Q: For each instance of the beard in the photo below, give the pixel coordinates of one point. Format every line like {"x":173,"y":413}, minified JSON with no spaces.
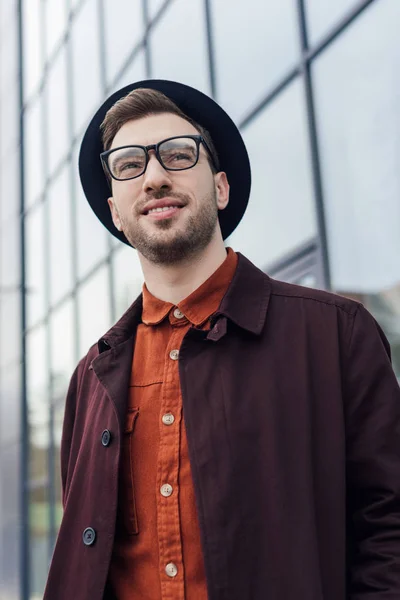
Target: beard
{"x":180,"y":244}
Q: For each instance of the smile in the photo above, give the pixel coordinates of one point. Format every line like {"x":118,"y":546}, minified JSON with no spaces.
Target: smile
{"x":163,"y":209}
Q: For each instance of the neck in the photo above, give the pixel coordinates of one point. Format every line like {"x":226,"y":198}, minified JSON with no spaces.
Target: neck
{"x":173,"y":283}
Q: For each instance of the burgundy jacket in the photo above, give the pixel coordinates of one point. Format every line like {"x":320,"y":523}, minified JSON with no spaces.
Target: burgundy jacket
{"x":292,"y":412}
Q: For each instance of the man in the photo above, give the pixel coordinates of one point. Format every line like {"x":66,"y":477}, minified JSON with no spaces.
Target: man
{"x":232,"y":437}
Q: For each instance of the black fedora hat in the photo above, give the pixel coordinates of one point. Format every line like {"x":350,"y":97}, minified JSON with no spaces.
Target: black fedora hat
{"x":206,"y":112}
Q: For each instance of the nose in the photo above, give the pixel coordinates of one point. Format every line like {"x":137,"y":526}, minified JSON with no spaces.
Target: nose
{"x":155,"y":176}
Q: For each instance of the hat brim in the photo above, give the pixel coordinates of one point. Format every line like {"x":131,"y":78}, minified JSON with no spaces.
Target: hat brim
{"x":232,"y":153}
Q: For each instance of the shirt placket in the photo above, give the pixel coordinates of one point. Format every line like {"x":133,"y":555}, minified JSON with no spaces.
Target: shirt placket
{"x":168,"y":517}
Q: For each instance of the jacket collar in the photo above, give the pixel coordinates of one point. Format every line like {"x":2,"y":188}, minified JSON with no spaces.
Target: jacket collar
{"x":245,"y":303}
{"x":247,"y":298}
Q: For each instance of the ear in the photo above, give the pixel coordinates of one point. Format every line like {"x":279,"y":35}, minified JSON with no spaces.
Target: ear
{"x":222,"y":189}
{"x":114,"y":213}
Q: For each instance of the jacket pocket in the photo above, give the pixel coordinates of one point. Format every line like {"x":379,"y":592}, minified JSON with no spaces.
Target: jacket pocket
{"x":128,"y":521}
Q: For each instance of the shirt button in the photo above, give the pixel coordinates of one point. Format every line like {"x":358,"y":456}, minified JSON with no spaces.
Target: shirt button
{"x":171,"y":570}
{"x":174,"y":354}
{"x":89,"y":536}
{"x":168,"y":419}
{"x":166,"y":490}
{"x":106,"y":437}
{"x":178,"y":314}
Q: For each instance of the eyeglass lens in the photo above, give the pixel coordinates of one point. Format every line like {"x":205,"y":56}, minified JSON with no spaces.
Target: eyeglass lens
{"x":175,"y":155}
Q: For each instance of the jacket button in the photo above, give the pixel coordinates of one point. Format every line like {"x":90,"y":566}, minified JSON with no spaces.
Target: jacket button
{"x":89,"y":536}
{"x":106,"y":437}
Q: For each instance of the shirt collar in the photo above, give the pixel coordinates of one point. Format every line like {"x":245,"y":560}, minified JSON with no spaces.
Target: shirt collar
{"x":200,"y":304}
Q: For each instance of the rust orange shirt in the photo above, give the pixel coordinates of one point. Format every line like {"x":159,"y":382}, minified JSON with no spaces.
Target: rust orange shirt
{"x":157,"y":553}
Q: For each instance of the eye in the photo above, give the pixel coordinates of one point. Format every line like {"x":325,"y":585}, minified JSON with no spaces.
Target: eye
{"x":130,"y":165}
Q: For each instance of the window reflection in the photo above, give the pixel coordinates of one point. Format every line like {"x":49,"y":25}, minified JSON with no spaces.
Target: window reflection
{"x":323,"y":15}
{"x":94,"y":309}
{"x":359,"y":127}
{"x":57,"y":113}
{"x":122,"y":34}
{"x":85,"y":47}
{"x":33,"y":143}
{"x":128,"y":278}
{"x":35,"y":265}
{"x":178,"y":45}
{"x":255,"y":43}
{"x":280,"y":215}
{"x":60,"y":233}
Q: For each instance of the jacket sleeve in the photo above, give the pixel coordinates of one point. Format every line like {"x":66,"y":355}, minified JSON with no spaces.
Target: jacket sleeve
{"x":372,"y":412}
{"x":68,"y":428}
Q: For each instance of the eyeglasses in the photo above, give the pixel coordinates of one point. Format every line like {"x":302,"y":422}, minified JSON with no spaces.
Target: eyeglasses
{"x":174,"y":154}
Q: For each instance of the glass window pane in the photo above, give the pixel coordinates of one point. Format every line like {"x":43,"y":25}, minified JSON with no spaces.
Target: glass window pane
{"x":56,"y":21}
{"x":10,"y":531}
{"x":178,"y":45}
{"x":9,"y":118}
{"x":35,"y":266}
{"x":323,"y":15}
{"x":154,"y":6}
{"x":10,"y":200}
{"x":124,"y":29}
{"x":280,"y":214}
{"x":94,"y":294}
{"x":38,"y":403}
{"x":32,"y":37}
{"x":85,"y":46}
{"x":10,"y":293}
{"x":39,"y":517}
{"x":57,"y":112}
{"x":33,"y":150}
{"x":128,"y":278}
{"x":136,"y":71}
{"x":91,"y":235}
{"x":62,"y":364}
{"x":249,"y":64}
{"x":358,"y":121}
{"x":10,"y":404}
{"x":359,"y":125}
{"x":60,"y":232}
{"x":62,"y":355}
{"x":38,"y":423}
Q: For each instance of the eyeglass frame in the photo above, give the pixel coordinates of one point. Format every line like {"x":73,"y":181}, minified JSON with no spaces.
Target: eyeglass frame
{"x":199,"y":139}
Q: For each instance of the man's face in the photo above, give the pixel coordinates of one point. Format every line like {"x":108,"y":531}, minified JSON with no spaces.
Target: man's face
{"x":194,"y":195}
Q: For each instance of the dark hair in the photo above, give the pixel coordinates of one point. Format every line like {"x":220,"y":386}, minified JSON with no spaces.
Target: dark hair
{"x":143,"y":102}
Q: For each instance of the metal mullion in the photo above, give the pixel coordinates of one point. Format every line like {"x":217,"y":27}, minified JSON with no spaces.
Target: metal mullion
{"x":24,"y":499}
{"x":330,"y":37}
{"x":210,"y":49}
{"x":324,"y":271}
{"x":146,"y":45}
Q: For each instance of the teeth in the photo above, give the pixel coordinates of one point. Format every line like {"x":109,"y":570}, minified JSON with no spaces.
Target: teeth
{"x":161,"y":209}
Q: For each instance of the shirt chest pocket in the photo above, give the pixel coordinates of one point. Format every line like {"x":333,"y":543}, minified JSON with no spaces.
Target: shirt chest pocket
{"x":127,"y":513}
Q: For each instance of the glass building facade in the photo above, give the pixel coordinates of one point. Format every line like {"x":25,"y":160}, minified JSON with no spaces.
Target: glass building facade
{"x":314,"y":87}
